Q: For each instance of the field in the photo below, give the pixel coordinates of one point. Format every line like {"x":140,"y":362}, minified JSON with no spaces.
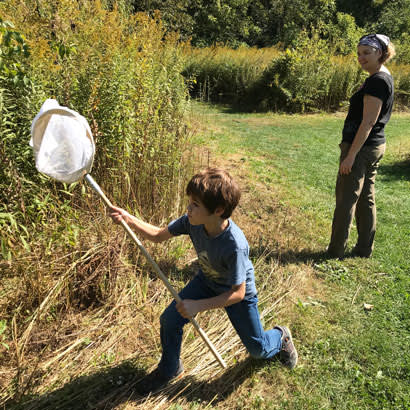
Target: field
{"x":352,"y":356}
{"x":80,"y":305}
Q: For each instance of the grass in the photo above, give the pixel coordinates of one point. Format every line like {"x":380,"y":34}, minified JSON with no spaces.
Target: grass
{"x":351,"y":358}
{"x":89,"y":356}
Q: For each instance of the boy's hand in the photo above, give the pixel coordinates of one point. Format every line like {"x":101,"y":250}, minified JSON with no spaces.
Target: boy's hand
{"x":188,"y":308}
{"x":118,"y":214}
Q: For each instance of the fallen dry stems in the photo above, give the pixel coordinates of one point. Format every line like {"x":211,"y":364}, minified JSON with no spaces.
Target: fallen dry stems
{"x":98,"y":355}
{"x":203,"y":368}
{"x":50,"y":299}
{"x":113,"y":332}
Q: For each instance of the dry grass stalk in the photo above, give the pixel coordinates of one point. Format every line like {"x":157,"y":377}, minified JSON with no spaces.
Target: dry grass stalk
{"x":102,"y":333}
{"x":50,"y":299}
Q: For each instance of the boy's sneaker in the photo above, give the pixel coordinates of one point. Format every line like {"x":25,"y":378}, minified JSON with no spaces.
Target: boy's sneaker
{"x":156,"y":381}
{"x":288,"y":354}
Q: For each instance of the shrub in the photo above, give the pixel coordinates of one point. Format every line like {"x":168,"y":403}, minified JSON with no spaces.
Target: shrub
{"x":305,"y":78}
{"x":401,"y":75}
{"x":122,"y":72}
{"x":403,"y":49}
{"x":118,"y":70}
{"x":221,"y":74}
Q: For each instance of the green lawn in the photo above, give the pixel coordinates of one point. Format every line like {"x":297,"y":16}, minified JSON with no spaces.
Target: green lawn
{"x":351,"y":358}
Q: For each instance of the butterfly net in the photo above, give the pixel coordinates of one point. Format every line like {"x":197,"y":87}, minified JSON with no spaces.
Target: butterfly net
{"x":62,"y":143}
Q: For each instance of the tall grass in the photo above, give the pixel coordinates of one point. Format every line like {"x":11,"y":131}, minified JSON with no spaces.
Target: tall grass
{"x":58,"y":256}
{"x":123,"y":74}
{"x":305,"y":78}
{"x":401,"y":75}
{"x":223,"y":74}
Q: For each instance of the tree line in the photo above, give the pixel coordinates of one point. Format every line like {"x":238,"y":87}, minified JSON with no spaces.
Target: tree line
{"x":264,"y":23}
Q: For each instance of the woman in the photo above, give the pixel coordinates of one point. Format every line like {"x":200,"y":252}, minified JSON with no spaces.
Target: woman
{"x":362,"y":147}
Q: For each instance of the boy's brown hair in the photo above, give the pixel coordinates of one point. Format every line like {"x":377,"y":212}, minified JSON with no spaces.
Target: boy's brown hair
{"x":215,"y":188}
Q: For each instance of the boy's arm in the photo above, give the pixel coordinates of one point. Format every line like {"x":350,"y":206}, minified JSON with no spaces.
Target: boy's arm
{"x":189,"y":308}
{"x":148,"y":231}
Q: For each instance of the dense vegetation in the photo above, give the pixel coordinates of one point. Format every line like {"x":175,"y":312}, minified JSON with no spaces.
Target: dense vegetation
{"x":122,"y":72}
{"x":306,"y":77}
{"x":118,"y":70}
{"x":66,"y":275}
{"x":264,"y":23}
{"x":312,"y":43}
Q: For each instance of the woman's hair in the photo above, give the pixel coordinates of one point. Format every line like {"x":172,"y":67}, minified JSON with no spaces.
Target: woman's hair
{"x":387,"y":54}
{"x":215,"y":188}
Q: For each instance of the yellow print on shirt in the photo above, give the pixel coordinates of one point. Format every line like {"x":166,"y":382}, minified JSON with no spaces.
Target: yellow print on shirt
{"x":206,"y":267}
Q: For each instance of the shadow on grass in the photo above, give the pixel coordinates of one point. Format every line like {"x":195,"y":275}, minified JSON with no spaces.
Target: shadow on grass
{"x":231,"y":108}
{"x":86,"y":392}
{"x":306,"y":256}
{"x":395,"y":171}
{"x":110,"y":388}
{"x":184,"y":274}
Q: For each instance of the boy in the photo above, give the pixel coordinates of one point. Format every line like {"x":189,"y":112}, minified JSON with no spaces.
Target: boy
{"x":225,"y":278}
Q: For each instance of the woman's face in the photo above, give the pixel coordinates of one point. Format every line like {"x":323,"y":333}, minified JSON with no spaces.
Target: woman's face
{"x":368,"y":58}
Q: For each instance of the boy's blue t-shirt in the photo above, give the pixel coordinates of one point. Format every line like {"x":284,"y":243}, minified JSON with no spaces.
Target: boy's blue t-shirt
{"x":224,"y":259}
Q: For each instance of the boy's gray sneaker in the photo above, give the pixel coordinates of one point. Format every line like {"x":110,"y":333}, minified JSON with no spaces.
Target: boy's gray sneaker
{"x":288,"y":354}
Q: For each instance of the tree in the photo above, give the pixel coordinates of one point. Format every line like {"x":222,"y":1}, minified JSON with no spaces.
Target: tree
{"x":268,"y":22}
{"x":287,"y":18}
{"x":365,"y":12}
{"x":174,"y":14}
{"x":223,"y":21}
{"x":394,"y":19}
{"x":343,"y":34}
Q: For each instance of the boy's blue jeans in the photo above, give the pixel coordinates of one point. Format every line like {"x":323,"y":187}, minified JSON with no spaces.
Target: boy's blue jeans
{"x":244,"y":317}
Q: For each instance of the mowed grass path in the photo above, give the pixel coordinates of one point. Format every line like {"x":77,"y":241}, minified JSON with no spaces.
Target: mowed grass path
{"x":351,"y":358}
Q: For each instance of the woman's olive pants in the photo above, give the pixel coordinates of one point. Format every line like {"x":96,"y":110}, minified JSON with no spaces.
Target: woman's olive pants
{"x":355,"y":194}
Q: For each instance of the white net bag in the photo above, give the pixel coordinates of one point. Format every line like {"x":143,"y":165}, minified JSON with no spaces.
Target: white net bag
{"x":62,"y":143}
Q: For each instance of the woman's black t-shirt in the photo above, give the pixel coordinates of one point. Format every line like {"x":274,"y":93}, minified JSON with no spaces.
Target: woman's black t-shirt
{"x":381,"y":86}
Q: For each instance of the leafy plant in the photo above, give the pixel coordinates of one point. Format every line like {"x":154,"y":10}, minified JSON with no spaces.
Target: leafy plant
{"x":13,"y":48}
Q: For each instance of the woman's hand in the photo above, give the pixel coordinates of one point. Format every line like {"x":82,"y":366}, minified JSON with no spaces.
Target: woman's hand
{"x":346,"y":165}
{"x":188,"y":308}
{"x":118,"y":214}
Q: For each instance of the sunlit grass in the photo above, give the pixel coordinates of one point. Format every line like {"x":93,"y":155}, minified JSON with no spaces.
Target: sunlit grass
{"x":348,"y":357}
